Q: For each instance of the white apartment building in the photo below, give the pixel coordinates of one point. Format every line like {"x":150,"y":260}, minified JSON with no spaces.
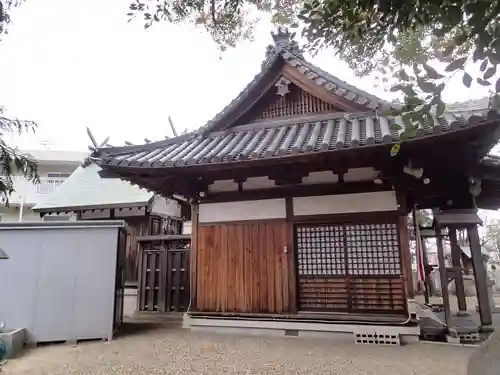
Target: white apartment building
{"x":54,"y":167}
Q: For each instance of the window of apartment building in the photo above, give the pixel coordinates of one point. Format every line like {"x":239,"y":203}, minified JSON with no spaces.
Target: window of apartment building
{"x":48,"y":184}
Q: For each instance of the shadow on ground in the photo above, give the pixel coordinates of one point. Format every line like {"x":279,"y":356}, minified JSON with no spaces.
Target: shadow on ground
{"x":137,"y":328}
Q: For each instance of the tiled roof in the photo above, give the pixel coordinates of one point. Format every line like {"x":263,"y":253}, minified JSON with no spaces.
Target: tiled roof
{"x":280,"y":139}
{"x":288,"y":53}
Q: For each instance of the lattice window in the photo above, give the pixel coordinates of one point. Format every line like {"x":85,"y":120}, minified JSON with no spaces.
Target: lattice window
{"x":320,"y":250}
{"x":373,"y":249}
{"x":354,"y":250}
{"x":350,"y":268}
{"x":294,"y":103}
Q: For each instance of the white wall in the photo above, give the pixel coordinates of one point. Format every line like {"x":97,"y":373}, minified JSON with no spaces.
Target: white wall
{"x":244,"y":210}
{"x":187,"y":227}
{"x":167,"y":207}
{"x":321,"y":177}
{"x":345,"y":203}
{"x":317,"y":205}
{"x":29,"y":191}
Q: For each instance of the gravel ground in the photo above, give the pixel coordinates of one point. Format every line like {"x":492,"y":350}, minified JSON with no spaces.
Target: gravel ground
{"x":177,"y":351}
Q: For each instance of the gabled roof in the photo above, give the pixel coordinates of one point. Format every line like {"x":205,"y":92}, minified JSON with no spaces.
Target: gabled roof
{"x":85,"y":189}
{"x":222,"y":141}
{"x":285,"y":50}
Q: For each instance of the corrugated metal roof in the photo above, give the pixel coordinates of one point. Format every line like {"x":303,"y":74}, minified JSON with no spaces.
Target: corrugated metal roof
{"x":282,"y":138}
{"x":86,"y":189}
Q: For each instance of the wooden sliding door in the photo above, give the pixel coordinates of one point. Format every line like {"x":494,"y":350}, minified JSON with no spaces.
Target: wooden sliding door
{"x":244,"y":267}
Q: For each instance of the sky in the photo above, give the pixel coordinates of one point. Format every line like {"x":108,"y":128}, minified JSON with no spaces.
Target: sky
{"x":69,"y":65}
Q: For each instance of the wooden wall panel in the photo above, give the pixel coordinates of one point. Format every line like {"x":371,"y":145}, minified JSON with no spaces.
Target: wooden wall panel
{"x":242,"y":267}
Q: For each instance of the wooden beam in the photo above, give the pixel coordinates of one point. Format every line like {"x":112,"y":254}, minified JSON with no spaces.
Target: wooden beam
{"x":296,"y":191}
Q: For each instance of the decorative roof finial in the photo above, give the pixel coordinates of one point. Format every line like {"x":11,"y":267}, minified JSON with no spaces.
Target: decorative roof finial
{"x":284,"y":40}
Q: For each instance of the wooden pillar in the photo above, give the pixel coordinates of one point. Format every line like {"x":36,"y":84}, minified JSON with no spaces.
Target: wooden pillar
{"x":456,"y":252}
{"x":404,"y":239}
{"x":480,"y":276}
{"x":443,"y":275}
{"x":195,"y":208}
{"x":292,"y":281}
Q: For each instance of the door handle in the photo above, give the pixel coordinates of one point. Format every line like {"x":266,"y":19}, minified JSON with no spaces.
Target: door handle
{"x":285,"y":249}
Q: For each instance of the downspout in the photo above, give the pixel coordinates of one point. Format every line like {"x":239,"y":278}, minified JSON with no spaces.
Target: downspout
{"x":21,"y":205}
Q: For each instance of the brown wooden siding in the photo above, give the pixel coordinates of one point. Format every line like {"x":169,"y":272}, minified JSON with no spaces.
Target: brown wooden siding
{"x":131,"y":254}
{"x":244,"y":268}
{"x":352,"y":294}
{"x":142,"y":226}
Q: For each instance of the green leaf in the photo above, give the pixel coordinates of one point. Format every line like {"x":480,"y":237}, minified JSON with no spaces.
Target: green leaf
{"x":392,"y":38}
{"x":456,"y":64}
{"x":411,"y":131}
{"x":495,"y":102}
{"x":425,"y":86}
{"x":397,"y":87}
{"x":395,"y":149}
{"x":484,"y":65}
{"x":403,"y":75}
{"x":490,"y":72}
{"x":440,"y":108}
{"x":431,"y":72}
{"x":467,"y":79}
{"x":494,"y":57}
{"x":416,"y":69}
{"x":460,"y":39}
{"x":449,"y":50}
{"x":395,"y":127}
{"x":478,"y":54}
{"x":482,"y":82}
{"x":409,"y":91}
